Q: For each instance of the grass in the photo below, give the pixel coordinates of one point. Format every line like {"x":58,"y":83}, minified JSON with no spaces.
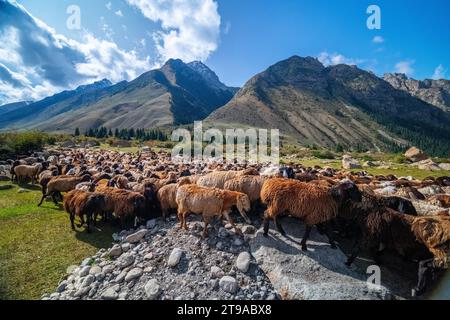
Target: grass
{"x":400,"y":170}
{"x":37,"y":244}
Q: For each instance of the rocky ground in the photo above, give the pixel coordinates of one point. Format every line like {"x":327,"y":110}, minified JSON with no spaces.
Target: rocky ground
{"x":160,"y":261}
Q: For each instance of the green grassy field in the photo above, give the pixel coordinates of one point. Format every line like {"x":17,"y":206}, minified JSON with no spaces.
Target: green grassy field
{"x":37,"y":244}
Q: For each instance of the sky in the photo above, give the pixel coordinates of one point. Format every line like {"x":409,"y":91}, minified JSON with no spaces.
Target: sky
{"x":47,"y":46}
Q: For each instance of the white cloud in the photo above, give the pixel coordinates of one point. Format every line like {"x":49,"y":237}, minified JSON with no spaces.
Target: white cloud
{"x":439,"y":72}
{"x":191,"y":28}
{"x":36,"y":62}
{"x":109,"y":6}
{"x":405,"y":67}
{"x":328,"y":59}
{"x":378,"y":39}
{"x":119,"y":13}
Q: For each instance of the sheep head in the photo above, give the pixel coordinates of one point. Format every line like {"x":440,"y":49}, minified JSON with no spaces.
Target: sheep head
{"x":243,"y":205}
{"x":346,"y":191}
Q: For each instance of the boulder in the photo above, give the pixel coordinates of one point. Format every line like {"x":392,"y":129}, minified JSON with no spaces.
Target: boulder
{"x":445,"y":166}
{"x":428,"y":164}
{"x":319,"y":274}
{"x":152,"y":289}
{"x":243,"y":262}
{"x":136,"y":237}
{"x":415,"y":154}
{"x":174,"y":257}
{"x":349,"y":163}
{"x":228,"y":284}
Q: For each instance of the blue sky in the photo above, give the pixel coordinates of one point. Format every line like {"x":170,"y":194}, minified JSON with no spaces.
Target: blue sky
{"x":120,"y":39}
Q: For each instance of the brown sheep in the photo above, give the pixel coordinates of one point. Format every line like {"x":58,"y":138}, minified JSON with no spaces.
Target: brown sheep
{"x":122,"y":203}
{"x":217,"y":179}
{"x":250,"y":185}
{"x":80,"y":203}
{"x":314,"y":205}
{"x":167,"y":196}
{"x":210,"y":203}
{"x":62,"y":184}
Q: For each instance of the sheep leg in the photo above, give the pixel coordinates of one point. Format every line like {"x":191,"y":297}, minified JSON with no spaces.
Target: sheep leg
{"x":355,"y":252}
{"x":266,"y":223}
{"x":54,"y":199}
{"x":305,"y":238}
{"x":89,"y":218}
{"x":330,"y":235}
{"x":278,"y":225}
{"x":206,"y":221}
{"x":42,"y":199}
{"x":72,"y":220}
{"x":425,"y":267}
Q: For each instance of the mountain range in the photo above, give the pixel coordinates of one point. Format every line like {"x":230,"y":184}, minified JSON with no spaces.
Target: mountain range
{"x":310,"y":103}
{"x":175,"y":94}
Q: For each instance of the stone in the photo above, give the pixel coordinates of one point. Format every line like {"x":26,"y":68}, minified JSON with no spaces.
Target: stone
{"x":126,"y":247}
{"x":223,"y":233}
{"x":228,"y":284}
{"x":152,"y":289}
{"x":445,"y":166}
{"x":62,"y":286}
{"x":136,"y":237}
{"x":174,"y":257}
{"x":148,"y":256}
{"x":319,"y":274}
{"x":87,"y":281}
{"x":22,"y":190}
{"x":243,"y":262}
{"x":133,"y":274}
{"x":110,"y":294}
{"x":95,"y":270}
{"x":108,"y":269}
{"x":81,"y":292}
{"x":115,"y":251}
{"x":84,"y":271}
{"x":349,"y":163}
{"x":125,"y":260}
{"x":238,"y":242}
{"x":216,"y":272}
{"x":151,"y":224}
{"x":248,"y":230}
{"x":415,"y":154}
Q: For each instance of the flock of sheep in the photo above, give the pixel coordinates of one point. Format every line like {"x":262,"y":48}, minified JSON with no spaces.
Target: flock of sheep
{"x":109,"y":184}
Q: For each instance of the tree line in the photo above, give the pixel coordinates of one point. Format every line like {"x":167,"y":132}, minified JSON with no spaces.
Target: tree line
{"x":125,"y":134}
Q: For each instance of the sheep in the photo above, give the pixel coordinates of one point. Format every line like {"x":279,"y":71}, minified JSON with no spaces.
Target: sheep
{"x":434,"y":232}
{"x":44,"y":179}
{"x":62,"y":184}
{"x":122,"y":203}
{"x":81,"y":203}
{"x":86,"y":186}
{"x":381,"y":227}
{"x":250,"y":185}
{"x":210,"y":203}
{"x":119,"y":181}
{"x":441,"y":200}
{"x":167,"y":196}
{"x":399,"y":204}
{"x":22,"y":172}
{"x":313,"y":204}
{"x":217,"y":179}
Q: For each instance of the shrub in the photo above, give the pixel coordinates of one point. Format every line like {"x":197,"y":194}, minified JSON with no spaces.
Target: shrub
{"x":23,"y":143}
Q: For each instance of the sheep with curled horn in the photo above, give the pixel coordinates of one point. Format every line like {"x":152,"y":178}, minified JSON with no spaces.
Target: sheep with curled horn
{"x":313,"y":204}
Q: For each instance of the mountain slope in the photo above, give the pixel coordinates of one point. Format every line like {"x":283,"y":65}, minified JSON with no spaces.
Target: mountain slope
{"x":13,"y":106}
{"x":175,"y":94}
{"x":435,"y":92}
{"x":335,"y":105}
